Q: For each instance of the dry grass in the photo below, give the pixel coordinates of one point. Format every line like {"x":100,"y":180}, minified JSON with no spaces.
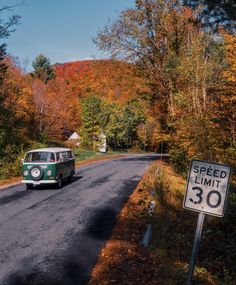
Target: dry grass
{"x":9,"y":182}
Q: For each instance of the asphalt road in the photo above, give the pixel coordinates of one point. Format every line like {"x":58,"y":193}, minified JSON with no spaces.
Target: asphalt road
{"x":53,"y":237}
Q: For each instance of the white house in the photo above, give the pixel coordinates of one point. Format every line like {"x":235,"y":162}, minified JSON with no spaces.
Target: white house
{"x":102,"y":145}
{"x":75,"y":138}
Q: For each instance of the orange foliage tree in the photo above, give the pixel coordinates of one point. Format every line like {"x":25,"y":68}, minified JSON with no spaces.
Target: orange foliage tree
{"x":57,"y":108}
{"x":18,"y":105}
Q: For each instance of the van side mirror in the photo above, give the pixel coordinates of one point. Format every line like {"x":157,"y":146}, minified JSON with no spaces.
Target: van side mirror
{"x":22,"y":160}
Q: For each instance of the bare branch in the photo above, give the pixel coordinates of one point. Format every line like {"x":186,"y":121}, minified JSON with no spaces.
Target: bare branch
{"x":10,"y":7}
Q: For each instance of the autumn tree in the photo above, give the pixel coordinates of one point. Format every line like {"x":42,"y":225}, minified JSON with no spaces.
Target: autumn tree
{"x":56,"y":109}
{"x":17,"y":121}
{"x":134,"y":115}
{"x":42,"y":74}
{"x":118,"y":122}
{"x":6,"y":27}
{"x":153,"y":35}
{"x":115,"y":131}
{"x":225,"y":99}
{"x":229,"y":91}
{"x":121,"y":124}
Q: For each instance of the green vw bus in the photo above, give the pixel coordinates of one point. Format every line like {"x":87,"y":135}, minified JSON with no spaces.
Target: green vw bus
{"x":48,"y":165}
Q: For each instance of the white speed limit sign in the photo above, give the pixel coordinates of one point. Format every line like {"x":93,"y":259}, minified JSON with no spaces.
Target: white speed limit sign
{"x":207,"y":187}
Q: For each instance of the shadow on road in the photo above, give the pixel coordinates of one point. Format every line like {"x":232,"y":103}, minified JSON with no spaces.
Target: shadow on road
{"x":54,"y":186}
{"x":146,"y":158}
{"x":102,"y":223}
{"x":101,"y":180}
{"x":14,"y":197}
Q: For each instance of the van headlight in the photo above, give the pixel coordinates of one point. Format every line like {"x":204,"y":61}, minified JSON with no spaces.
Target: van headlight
{"x":26,"y":172}
{"x":49,"y":172}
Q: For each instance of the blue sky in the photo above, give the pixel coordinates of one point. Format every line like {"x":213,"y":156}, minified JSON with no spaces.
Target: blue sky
{"x":60,"y":29}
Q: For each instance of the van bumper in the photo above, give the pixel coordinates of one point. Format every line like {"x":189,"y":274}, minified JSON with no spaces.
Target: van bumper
{"x":39,"y":182}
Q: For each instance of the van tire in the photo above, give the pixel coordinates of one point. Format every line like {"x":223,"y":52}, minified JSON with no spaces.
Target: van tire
{"x":70,"y":178}
{"x":59,"y":182}
{"x":29,"y":186}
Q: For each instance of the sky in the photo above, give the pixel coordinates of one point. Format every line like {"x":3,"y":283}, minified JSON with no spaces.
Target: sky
{"x":62,"y":30}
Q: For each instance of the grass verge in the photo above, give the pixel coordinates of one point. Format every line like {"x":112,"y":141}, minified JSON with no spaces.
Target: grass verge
{"x":165,"y":262}
{"x":87,"y":156}
{"x":82,"y":154}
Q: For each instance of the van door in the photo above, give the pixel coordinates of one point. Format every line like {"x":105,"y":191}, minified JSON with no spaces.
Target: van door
{"x":66,"y":163}
{"x":71,"y":163}
{"x":60,"y":171}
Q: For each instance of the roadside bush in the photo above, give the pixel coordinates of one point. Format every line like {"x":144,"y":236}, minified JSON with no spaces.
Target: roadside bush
{"x":10,"y":162}
{"x":179,"y":159}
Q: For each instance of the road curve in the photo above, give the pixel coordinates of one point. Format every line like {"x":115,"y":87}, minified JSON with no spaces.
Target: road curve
{"x":53,"y":237}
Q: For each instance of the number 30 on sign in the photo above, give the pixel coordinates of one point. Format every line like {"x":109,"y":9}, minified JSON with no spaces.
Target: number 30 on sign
{"x":207,"y":187}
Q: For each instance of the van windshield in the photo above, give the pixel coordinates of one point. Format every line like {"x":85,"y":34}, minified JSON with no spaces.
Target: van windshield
{"x":40,"y":156}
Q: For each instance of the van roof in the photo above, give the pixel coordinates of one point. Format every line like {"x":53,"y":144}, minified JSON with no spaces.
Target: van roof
{"x":51,"y":149}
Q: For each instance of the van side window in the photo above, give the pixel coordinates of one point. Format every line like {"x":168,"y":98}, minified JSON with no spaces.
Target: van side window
{"x":58,"y":156}
{"x":51,"y":157}
{"x":64,"y":155}
{"x":69,"y":154}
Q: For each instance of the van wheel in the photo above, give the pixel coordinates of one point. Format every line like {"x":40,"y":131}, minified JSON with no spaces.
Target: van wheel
{"x":29,"y":186}
{"x":59,"y":182}
{"x":70,"y":178}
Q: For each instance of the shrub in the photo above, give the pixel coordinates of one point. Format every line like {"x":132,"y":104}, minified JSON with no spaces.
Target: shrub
{"x":179,"y":159}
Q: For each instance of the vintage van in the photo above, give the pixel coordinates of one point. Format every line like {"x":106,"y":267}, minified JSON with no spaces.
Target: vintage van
{"x":48,"y":165}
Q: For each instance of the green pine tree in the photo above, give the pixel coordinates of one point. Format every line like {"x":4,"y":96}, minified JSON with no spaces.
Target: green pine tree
{"x":42,"y":68}
{"x":91,"y":120}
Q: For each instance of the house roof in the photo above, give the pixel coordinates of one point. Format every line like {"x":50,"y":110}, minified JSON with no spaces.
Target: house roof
{"x":74,"y":136}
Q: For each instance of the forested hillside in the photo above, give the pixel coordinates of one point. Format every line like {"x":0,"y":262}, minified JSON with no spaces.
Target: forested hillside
{"x":168,"y":87}
{"x":112,"y":80}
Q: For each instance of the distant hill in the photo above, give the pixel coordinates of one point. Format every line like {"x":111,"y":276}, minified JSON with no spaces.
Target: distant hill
{"x":113,"y":80}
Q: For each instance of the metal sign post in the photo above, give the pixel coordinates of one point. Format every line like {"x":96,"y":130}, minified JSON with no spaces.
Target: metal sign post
{"x":206,"y":193}
{"x":195,"y":247}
